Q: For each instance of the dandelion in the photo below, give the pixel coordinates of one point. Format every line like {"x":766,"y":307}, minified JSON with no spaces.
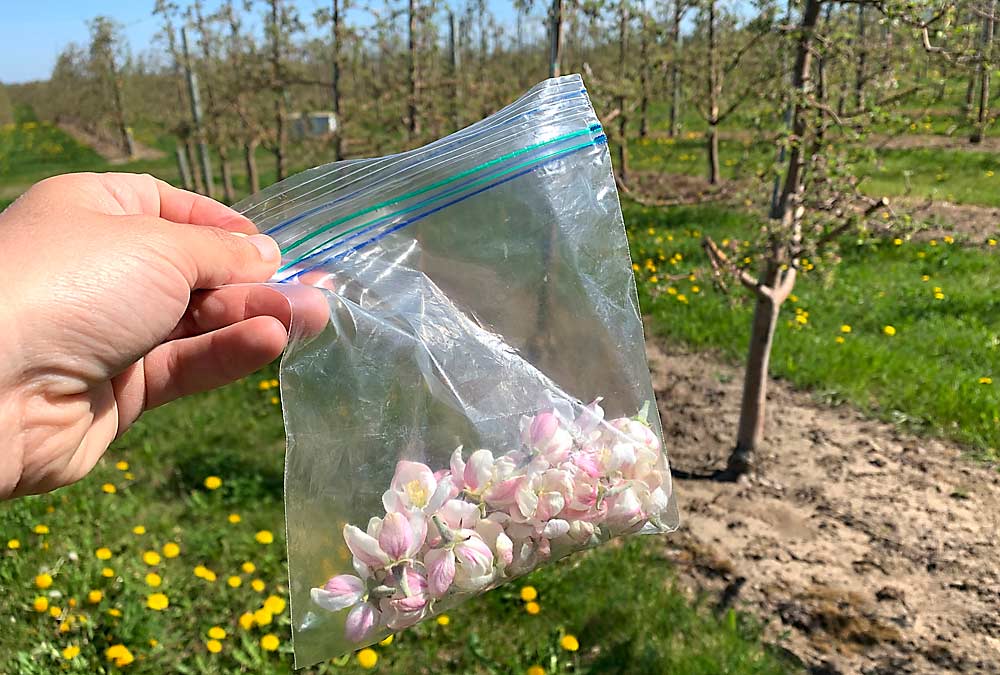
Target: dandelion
{"x":258,"y":585}
{"x":682,"y":298}
{"x":103,"y":553}
{"x":246,"y":620}
{"x":41,"y":529}
{"x":270,"y":643}
{"x":115,"y":612}
{"x":217,"y":633}
{"x":158,"y":602}
{"x":889,"y":330}
{"x":532,"y":608}
{"x":948,"y":239}
{"x":55,"y":612}
{"x":654,"y":279}
{"x":444,"y":620}
{"x":793,"y":298}
{"x":938,"y":295}
{"x":43,"y":580}
{"x":151,"y":558}
{"x":109,"y":488}
{"x":213,"y":646}
{"x":897,"y":241}
{"x":925,"y":277}
{"x":635,"y":267}
{"x":695,"y":289}
{"x":40,"y":604}
{"x":367,"y":658}
{"x":264,"y":537}
{"x":274,"y":400}
{"x":991,"y":242}
{"x":846,"y":328}
{"x":139,"y":529}
{"x":122,"y":465}
{"x":569,"y":643}
{"x":234,"y":518}
{"x":839,"y":340}
{"x":13,"y":544}
{"x":933,"y":242}
{"x":264,"y":385}
{"x":386,"y":641}
{"x":153,"y":580}
{"x":70,"y":652}
{"x":171,"y":550}
{"x":274,"y":604}
{"x":529,"y":593}
{"x":248,"y":567}
{"x":921,"y":254}
{"x":536,"y":669}
{"x":213,"y":482}
{"x":985,"y":380}
{"x":262,"y":617}
{"x":801,"y":319}
{"x":95,"y":597}
{"x":672,"y":291}
{"x":274,"y":383}
{"x":153,"y":642}
{"x":107,"y":572}
{"x":119,"y":654}
{"x":234,"y":582}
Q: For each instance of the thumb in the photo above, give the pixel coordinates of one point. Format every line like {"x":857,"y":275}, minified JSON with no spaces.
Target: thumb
{"x":210,"y":257}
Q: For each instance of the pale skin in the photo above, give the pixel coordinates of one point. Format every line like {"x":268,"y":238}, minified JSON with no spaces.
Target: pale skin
{"x":117,"y":295}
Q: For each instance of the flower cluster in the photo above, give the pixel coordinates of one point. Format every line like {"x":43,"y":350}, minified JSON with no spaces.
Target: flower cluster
{"x":575,"y":481}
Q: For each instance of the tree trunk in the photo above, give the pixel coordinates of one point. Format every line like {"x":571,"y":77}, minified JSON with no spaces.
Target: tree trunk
{"x":192,"y":156}
{"x":989,"y":24}
{"x":675,"y":69}
{"x":250,"y":157}
{"x":555,"y":37}
{"x":769,"y":297}
{"x":278,"y":87}
{"x":453,"y":65}
{"x":229,"y":193}
{"x":199,"y":128}
{"x":183,"y":169}
{"x":714,"y":87}
{"x":413,"y":124}
{"x":338,"y":136}
{"x":644,"y":79}
{"x":622,"y":79}
{"x":860,"y":66}
{"x":128,"y":145}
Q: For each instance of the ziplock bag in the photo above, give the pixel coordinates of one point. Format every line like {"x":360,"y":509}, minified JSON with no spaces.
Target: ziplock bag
{"x":479,"y":403}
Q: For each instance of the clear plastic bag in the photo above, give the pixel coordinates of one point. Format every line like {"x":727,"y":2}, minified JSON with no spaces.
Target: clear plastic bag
{"x":440,"y":439}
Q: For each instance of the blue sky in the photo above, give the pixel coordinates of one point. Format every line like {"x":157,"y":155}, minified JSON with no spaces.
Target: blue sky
{"x":31,"y":36}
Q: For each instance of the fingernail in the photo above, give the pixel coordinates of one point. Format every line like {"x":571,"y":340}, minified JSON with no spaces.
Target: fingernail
{"x":268,"y":247}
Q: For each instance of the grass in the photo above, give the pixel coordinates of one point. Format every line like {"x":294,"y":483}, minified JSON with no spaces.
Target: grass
{"x":939,"y":374}
{"x":619,"y":602}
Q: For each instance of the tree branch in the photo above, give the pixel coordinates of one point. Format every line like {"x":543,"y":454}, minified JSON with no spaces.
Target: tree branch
{"x":720,"y":261}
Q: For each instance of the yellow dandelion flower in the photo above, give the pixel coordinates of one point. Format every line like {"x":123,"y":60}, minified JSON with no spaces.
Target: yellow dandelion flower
{"x":40,"y":604}
{"x":70,"y":652}
{"x":157,"y":601}
{"x":274,"y":400}
{"x":214,"y":646}
{"x":274,"y":383}
{"x":933,"y":242}
{"x":991,"y":242}
{"x":386,"y":641}
{"x":258,"y":585}
{"x":274,"y":604}
{"x":532,"y":608}
{"x":217,"y":633}
{"x":921,"y":254}
{"x":72,"y":602}
{"x":128,"y":475}
{"x":985,"y":380}
{"x":107,"y":572}
{"x":444,"y":620}
{"x":939,"y":295}
{"x":889,"y":330}
{"x":153,"y":580}
{"x":924,"y":277}
{"x":109,"y":488}
{"x":793,"y":298}
{"x":43,"y":580}
{"x":367,"y":658}
{"x":262,"y":617}
{"x":115,"y":612}
{"x":264,"y":537}
{"x":802,"y":319}
{"x":122,"y":465}
{"x":536,"y":669}
{"x":682,"y":298}
{"x":654,"y":279}
{"x":839,"y":340}
{"x":846,"y":328}
{"x":948,"y":239}
{"x":897,"y":241}
{"x":213,"y":482}
{"x":529,"y":593}
{"x":635,"y":267}
{"x":695,"y":289}
{"x":234,"y":582}
{"x":171,"y":550}
{"x":95,"y":597}
{"x":234,"y":518}
{"x":264,"y":385}
{"x":151,"y":558}
{"x":248,"y":567}
{"x":55,"y":612}
{"x":103,"y":553}
{"x":672,"y":291}
{"x":41,"y":529}
{"x":119,"y":654}
{"x":153,"y":642}
{"x":139,"y":529}
{"x":270,"y":642}
{"x":13,"y":544}
{"x":569,"y":643}
{"x":246,"y":620}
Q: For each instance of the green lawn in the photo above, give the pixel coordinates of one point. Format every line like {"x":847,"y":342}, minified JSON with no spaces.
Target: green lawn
{"x":938,"y":374}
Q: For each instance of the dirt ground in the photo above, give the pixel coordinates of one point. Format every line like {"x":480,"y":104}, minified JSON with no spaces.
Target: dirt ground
{"x":108,"y":150}
{"x":860,"y":548}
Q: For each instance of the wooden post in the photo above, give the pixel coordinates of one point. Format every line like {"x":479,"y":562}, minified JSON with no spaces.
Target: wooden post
{"x":199,"y":130}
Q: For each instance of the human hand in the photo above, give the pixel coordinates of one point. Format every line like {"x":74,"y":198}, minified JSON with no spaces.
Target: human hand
{"x":114,"y":299}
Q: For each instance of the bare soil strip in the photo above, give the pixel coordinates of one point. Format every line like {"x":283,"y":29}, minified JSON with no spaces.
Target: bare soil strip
{"x":861,"y":549}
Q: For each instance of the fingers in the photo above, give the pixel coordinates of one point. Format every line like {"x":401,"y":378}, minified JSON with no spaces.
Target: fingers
{"x":209,"y":257}
{"x":204,"y":362}
{"x":141,"y":194}
{"x":214,"y":309}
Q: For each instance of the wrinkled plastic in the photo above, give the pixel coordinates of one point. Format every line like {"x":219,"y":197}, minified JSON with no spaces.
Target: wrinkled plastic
{"x":479,"y":287}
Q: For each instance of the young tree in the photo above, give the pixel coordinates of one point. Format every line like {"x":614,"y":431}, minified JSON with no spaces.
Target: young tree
{"x":106,"y":47}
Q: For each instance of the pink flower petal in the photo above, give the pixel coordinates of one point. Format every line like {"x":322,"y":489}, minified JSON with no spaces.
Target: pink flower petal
{"x":396,"y":537}
{"x":360,"y":622}
{"x":364,"y":547}
{"x":440,"y":571}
